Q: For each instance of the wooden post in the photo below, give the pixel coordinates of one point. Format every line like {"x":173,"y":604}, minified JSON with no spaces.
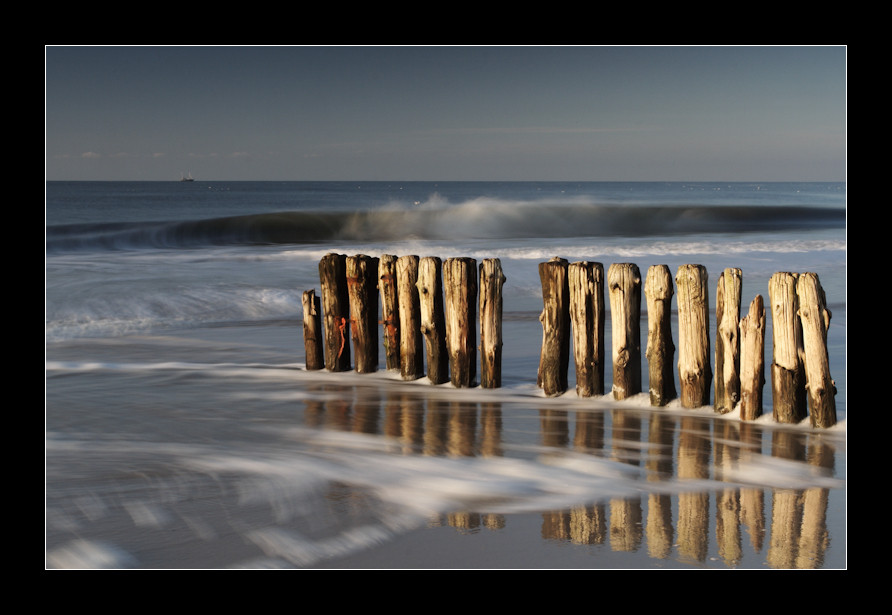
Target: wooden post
{"x":335,"y":311}
{"x":752,"y":360}
{"x":460,"y":296}
{"x":554,"y":360}
{"x":390,"y":318}
{"x":658,"y":289}
{"x":624,"y":283}
{"x":694,"y":370}
{"x":363,"y":292}
{"x":491,"y":281}
{"x":787,"y":372}
{"x":727,"y":340}
{"x":411,"y":344}
{"x":815,"y":318}
{"x":312,"y":330}
{"x":433,"y":323}
{"x":586,"y":282}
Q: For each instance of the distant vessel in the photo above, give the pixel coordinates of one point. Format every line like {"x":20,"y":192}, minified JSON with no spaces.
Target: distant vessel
{"x":187,"y":178}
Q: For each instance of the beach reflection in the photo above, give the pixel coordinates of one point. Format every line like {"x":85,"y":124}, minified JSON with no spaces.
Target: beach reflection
{"x":693,"y":527}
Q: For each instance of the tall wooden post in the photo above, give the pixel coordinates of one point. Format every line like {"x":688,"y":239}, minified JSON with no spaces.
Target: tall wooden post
{"x":390,"y":316}
{"x":787,"y":372}
{"x":335,"y":311}
{"x":752,"y":360}
{"x":460,"y":301}
{"x":624,"y":283}
{"x":491,"y":281}
{"x":433,"y":323}
{"x":586,"y":282}
{"x":658,"y":289}
{"x":694,"y":370}
{"x":312,"y":330}
{"x":815,"y":318}
{"x":411,"y":341}
{"x":363,"y":291}
{"x":554,"y":360}
{"x":727,"y":340}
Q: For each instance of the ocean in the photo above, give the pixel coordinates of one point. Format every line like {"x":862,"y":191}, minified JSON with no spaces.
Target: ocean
{"x":183,"y":430}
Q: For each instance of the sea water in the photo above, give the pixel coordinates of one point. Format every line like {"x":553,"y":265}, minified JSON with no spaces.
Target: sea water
{"x":184,"y":431}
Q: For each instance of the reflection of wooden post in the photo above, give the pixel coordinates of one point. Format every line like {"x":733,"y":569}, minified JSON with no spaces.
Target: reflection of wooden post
{"x":460,"y":300}
{"x":555,"y":318}
{"x":390,"y":318}
{"x":411,"y":344}
{"x":433,"y":324}
{"x":335,"y":311}
{"x":491,"y":281}
{"x":660,"y":351}
{"x":694,"y":370}
{"x":363,"y":291}
{"x":787,"y":374}
{"x":752,"y":361}
{"x":586,"y":281}
{"x":727,"y":341}
{"x":624,"y":282}
{"x":815,"y":318}
{"x":312,"y":330}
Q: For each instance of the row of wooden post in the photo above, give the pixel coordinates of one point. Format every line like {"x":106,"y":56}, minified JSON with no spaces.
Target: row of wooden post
{"x":424,"y":302}
{"x":428,"y":302}
{"x":573,"y":294}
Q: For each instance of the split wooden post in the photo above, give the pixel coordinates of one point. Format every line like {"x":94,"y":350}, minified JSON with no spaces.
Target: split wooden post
{"x":390,"y":318}
{"x":787,"y":372}
{"x":335,"y":311}
{"x":727,"y":340}
{"x":586,"y":282}
{"x":411,"y":341}
{"x":554,"y":360}
{"x":752,"y":360}
{"x":460,"y":302}
{"x":694,"y":369}
{"x":433,"y":323}
{"x":815,"y":318}
{"x":363,"y":291}
{"x":491,"y":281}
{"x":658,"y":289}
{"x":312,"y":330}
{"x":624,"y":284}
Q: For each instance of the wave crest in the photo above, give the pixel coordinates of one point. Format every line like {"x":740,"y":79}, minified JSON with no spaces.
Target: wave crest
{"x":435,"y":219}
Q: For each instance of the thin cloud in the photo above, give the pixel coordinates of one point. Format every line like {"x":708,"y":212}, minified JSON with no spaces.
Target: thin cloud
{"x":529,"y":130}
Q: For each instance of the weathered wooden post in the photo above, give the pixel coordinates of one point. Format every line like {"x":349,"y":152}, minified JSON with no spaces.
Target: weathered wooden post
{"x":390,"y":318}
{"x":460,"y":301}
{"x":815,"y":318}
{"x":411,"y":341}
{"x":312,"y":330}
{"x":694,"y":369}
{"x":363,"y":291}
{"x":433,"y":323}
{"x":335,"y":311}
{"x":752,"y":360}
{"x":727,"y":340}
{"x":554,"y":360}
{"x":586,"y":282}
{"x":658,"y":289}
{"x":491,"y":281}
{"x":787,"y":372}
{"x":624,"y":284}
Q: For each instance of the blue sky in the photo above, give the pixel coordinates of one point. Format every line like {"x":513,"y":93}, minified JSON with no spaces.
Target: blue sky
{"x":565,"y":113}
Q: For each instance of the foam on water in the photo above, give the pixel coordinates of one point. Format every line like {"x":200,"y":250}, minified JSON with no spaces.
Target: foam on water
{"x":402,"y":492}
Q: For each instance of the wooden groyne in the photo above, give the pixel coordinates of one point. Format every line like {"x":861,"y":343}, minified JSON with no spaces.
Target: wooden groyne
{"x":444,"y":306}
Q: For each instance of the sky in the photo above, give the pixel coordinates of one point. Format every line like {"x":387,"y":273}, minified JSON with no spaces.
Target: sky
{"x":442,"y":113}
